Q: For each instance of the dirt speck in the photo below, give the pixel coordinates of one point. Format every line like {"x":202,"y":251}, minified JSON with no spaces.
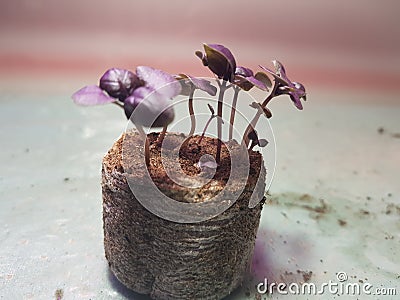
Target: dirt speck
{"x":364,"y":212}
{"x":305,"y":197}
{"x":396,"y":135}
{"x":257,"y":297}
{"x":381,"y":130}
{"x":66,"y":179}
{"x":342,"y":222}
{"x":306,"y":275}
{"x":392,"y":208}
{"x":59,"y":294}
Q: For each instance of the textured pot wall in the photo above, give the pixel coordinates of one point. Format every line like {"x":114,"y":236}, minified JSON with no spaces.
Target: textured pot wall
{"x":169,"y":260}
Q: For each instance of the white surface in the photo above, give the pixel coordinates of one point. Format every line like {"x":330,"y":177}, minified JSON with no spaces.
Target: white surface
{"x":51,"y":228}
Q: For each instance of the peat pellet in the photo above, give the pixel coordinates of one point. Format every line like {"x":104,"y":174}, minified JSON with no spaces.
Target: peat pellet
{"x":172,"y":260}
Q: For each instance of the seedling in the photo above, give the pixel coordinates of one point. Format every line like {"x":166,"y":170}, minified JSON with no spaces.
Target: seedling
{"x":145,"y":95}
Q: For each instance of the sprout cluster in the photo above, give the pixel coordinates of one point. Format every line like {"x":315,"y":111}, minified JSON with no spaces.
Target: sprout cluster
{"x":148,"y":92}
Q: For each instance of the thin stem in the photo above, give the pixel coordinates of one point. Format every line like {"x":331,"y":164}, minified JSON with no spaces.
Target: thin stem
{"x":205,"y":128}
{"x":257,"y":116}
{"x":191,"y":112}
{"x":146,"y":145}
{"x":233,"y":111}
{"x":147,"y":151}
{"x":219,"y":120}
{"x":252,"y":145}
{"x":161,"y":135}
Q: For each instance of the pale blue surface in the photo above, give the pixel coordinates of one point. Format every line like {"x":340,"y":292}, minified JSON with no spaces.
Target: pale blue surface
{"x":51,"y":228}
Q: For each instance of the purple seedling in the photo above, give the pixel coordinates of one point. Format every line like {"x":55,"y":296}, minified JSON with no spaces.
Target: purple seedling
{"x":144,"y":96}
{"x":282,"y":86}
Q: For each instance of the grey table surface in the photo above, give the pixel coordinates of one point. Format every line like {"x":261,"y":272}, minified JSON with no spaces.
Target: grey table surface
{"x":334,"y":204}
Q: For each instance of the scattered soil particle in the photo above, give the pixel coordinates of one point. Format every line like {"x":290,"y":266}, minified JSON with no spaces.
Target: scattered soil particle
{"x":381,"y":130}
{"x":342,"y":222}
{"x":392,"y":208}
{"x":306,"y":275}
{"x":396,"y":135}
{"x":59,"y":294}
{"x":305,"y":197}
{"x":389,"y":237}
{"x":364,"y":212}
{"x":66,"y":179}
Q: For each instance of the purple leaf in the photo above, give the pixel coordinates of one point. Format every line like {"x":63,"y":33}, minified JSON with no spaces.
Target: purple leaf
{"x":262,"y":142}
{"x":226,"y":52}
{"x":186,"y":87}
{"x":245,"y":72}
{"x":149,"y":108}
{"x":220,"y":61}
{"x":280,"y":70}
{"x":259,"y":84}
{"x":188,"y":83}
{"x":203,"y":58}
{"x":296,"y":100}
{"x":91,"y":95}
{"x":159,"y":81}
{"x":301,"y":90}
{"x":243,"y":83}
{"x":204,"y":85}
{"x":276,"y":76}
{"x":285,"y":86}
{"x":119,"y":83}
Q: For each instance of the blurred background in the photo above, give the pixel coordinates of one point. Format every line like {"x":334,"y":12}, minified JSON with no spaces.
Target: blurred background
{"x":335,"y":203}
{"x":348,"y":44}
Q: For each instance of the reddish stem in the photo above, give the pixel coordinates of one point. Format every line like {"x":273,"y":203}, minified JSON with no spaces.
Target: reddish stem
{"x":205,"y":128}
{"x":147,"y":151}
{"x":146,"y":145}
{"x":233,"y":111}
{"x":222,"y":89}
{"x":191,"y":112}
{"x":161,"y":135}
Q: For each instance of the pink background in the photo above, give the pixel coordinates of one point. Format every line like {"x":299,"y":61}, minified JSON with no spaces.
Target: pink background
{"x":345,"y":44}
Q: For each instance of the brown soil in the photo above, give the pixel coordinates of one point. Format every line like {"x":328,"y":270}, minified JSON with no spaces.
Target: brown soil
{"x":131,"y":146}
